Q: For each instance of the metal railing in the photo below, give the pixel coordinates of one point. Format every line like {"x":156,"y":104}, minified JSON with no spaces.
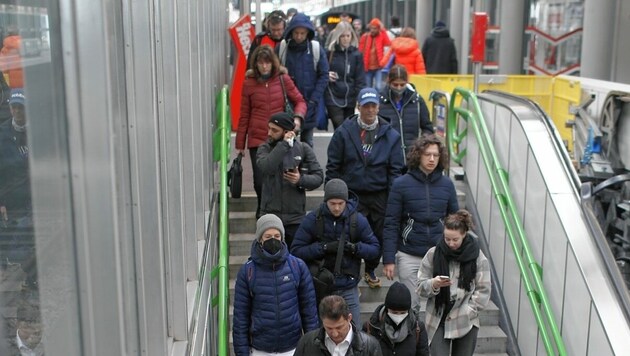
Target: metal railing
{"x":530,"y":270}
{"x":221,"y":145}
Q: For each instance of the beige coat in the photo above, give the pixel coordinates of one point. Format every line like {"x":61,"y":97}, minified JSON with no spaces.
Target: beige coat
{"x":465,"y":312}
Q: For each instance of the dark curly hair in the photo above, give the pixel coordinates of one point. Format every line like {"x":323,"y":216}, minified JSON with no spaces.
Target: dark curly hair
{"x":265,"y":53}
{"x":418,"y":147}
{"x":461,"y":221}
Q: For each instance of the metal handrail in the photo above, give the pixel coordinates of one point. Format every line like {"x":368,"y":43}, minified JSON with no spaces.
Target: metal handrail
{"x":222,"y":155}
{"x":529,"y":268}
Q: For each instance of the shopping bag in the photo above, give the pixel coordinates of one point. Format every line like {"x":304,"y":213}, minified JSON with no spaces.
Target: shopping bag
{"x":235,"y":177}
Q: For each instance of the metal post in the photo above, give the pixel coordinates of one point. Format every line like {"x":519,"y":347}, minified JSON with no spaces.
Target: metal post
{"x":476,"y":76}
{"x":259,"y":17}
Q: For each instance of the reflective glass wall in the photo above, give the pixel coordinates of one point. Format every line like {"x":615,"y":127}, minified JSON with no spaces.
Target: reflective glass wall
{"x":106,"y":176}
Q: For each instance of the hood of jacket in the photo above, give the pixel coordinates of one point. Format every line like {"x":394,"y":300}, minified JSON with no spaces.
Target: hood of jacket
{"x":441,"y":32}
{"x":264,"y":258}
{"x":300,"y":20}
{"x":404,"y":45}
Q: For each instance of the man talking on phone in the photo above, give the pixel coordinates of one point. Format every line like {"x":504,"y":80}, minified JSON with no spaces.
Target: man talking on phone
{"x":289,"y":168}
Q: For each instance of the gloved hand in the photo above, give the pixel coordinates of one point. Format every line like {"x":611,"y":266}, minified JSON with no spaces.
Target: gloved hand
{"x":330,"y":247}
{"x":350,"y":248}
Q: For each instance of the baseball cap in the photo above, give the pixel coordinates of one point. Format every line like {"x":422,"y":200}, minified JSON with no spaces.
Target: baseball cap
{"x":368,"y":95}
{"x":17,"y":97}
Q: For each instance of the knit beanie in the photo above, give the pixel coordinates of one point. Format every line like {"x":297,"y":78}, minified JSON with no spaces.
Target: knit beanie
{"x":336,"y":189}
{"x":440,"y":23}
{"x":398,"y":297}
{"x":284,"y":120}
{"x":266,"y":222}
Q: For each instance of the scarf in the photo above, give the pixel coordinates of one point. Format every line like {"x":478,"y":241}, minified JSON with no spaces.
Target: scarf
{"x":366,"y":127}
{"x":294,"y":46}
{"x":466,"y":255}
{"x":17,"y":127}
{"x":395,"y":333}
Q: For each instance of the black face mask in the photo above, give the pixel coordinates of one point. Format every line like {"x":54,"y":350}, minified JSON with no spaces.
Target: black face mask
{"x":272,"y":246}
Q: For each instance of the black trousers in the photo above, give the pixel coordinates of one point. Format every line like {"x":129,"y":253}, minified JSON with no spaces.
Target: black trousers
{"x":257,"y":178}
{"x":339,"y":115}
{"x":372,"y":205}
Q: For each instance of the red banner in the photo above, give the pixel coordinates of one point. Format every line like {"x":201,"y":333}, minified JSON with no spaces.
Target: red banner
{"x":242,"y":33}
{"x":478,"y":40}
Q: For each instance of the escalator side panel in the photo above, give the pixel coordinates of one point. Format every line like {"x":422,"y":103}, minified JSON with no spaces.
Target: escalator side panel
{"x":573,"y":276}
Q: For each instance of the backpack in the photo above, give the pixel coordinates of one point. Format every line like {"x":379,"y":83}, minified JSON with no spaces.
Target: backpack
{"x":314,"y":48}
{"x":251,"y":272}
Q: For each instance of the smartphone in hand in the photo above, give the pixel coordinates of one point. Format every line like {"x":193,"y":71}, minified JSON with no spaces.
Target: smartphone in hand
{"x":445,"y":278}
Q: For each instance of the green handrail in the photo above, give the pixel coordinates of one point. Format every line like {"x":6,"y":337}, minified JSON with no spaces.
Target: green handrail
{"x":531,"y":272}
{"x":221,"y":145}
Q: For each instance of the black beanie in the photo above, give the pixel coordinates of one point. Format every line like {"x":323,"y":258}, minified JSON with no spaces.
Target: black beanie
{"x":283,"y":120}
{"x":336,"y":189}
{"x":398,"y":297}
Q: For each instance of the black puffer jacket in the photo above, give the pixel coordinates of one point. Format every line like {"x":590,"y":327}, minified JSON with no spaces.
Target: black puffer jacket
{"x":413,"y":116}
{"x":348,"y":64}
{"x":312,"y":343}
{"x":415,"y":344}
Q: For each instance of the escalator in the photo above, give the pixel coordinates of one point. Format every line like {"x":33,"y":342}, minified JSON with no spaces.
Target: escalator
{"x":571,"y":298}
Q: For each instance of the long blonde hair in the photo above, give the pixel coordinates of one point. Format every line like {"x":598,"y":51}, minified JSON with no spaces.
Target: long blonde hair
{"x":341,"y":28}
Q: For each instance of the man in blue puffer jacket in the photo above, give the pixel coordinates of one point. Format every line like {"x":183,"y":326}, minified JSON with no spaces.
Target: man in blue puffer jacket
{"x":274,"y":299}
{"x":336,"y":212}
{"x":418,"y":203}
{"x":365,"y":153}
{"x":309,"y":71}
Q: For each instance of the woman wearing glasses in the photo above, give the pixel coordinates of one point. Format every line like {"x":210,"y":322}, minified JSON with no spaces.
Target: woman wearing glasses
{"x":417,"y":204}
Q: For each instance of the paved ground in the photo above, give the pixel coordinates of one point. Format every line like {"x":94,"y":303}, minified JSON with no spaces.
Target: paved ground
{"x":320,"y":145}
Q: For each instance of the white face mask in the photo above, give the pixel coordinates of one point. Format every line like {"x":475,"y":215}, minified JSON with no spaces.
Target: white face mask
{"x":397,"y":318}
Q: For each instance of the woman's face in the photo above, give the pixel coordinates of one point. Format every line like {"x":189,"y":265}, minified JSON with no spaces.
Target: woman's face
{"x":344,"y":39}
{"x":430,"y":158}
{"x":398,"y":84}
{"x":453,"y":238}
{"x":264,"y":66}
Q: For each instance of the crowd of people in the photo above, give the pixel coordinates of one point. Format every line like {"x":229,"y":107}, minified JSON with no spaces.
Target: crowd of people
{"x":386,"y":198}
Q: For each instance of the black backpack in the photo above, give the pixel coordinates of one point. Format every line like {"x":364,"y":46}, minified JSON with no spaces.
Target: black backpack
{"x":235,"y":177}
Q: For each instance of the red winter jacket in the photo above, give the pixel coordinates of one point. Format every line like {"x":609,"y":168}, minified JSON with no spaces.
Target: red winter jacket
{"x":366,"y":43}
{"x":408,"y":54}
{"x":261,"y":99}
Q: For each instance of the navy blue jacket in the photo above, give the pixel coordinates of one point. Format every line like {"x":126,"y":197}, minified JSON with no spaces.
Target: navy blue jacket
{"x":300,"y":65}
{"x":348,"y":64}
{"x":426,"y":200}
{"x":15,"y":187}
{"x":271,"y":309}
{"x":307,"y":246}
{"x":373,"y":173}
{"x":413,"y":116}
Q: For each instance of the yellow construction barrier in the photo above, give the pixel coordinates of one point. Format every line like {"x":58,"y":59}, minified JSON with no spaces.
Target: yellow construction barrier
{"x":554,"y":95}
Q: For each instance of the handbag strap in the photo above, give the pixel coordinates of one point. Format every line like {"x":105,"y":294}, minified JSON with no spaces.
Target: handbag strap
{"x":284,"y":91}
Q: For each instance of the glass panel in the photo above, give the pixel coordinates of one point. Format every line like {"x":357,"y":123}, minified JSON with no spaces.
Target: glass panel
{"x":31,"y":125}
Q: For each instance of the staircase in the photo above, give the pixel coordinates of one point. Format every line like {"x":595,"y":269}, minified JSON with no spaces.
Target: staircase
{"x":491,"y":340}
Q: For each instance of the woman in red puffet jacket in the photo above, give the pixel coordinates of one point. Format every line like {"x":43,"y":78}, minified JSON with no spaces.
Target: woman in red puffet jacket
{"x":263,"y":96}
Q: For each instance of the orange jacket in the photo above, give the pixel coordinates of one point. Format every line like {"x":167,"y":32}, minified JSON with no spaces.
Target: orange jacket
{"x":11,"y":61}
{"x":365,"y":46}
{"x":407,"y":54}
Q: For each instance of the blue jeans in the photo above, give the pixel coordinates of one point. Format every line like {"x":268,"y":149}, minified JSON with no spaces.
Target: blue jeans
{"x":374,"y":79}
{"x":351,"y":296}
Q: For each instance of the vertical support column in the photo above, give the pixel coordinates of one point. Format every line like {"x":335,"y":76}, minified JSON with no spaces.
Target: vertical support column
{"x":424,"y":9}
{"x":459,"y":32}
{"x":597,"y":44}
{"x":511,"y":37}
